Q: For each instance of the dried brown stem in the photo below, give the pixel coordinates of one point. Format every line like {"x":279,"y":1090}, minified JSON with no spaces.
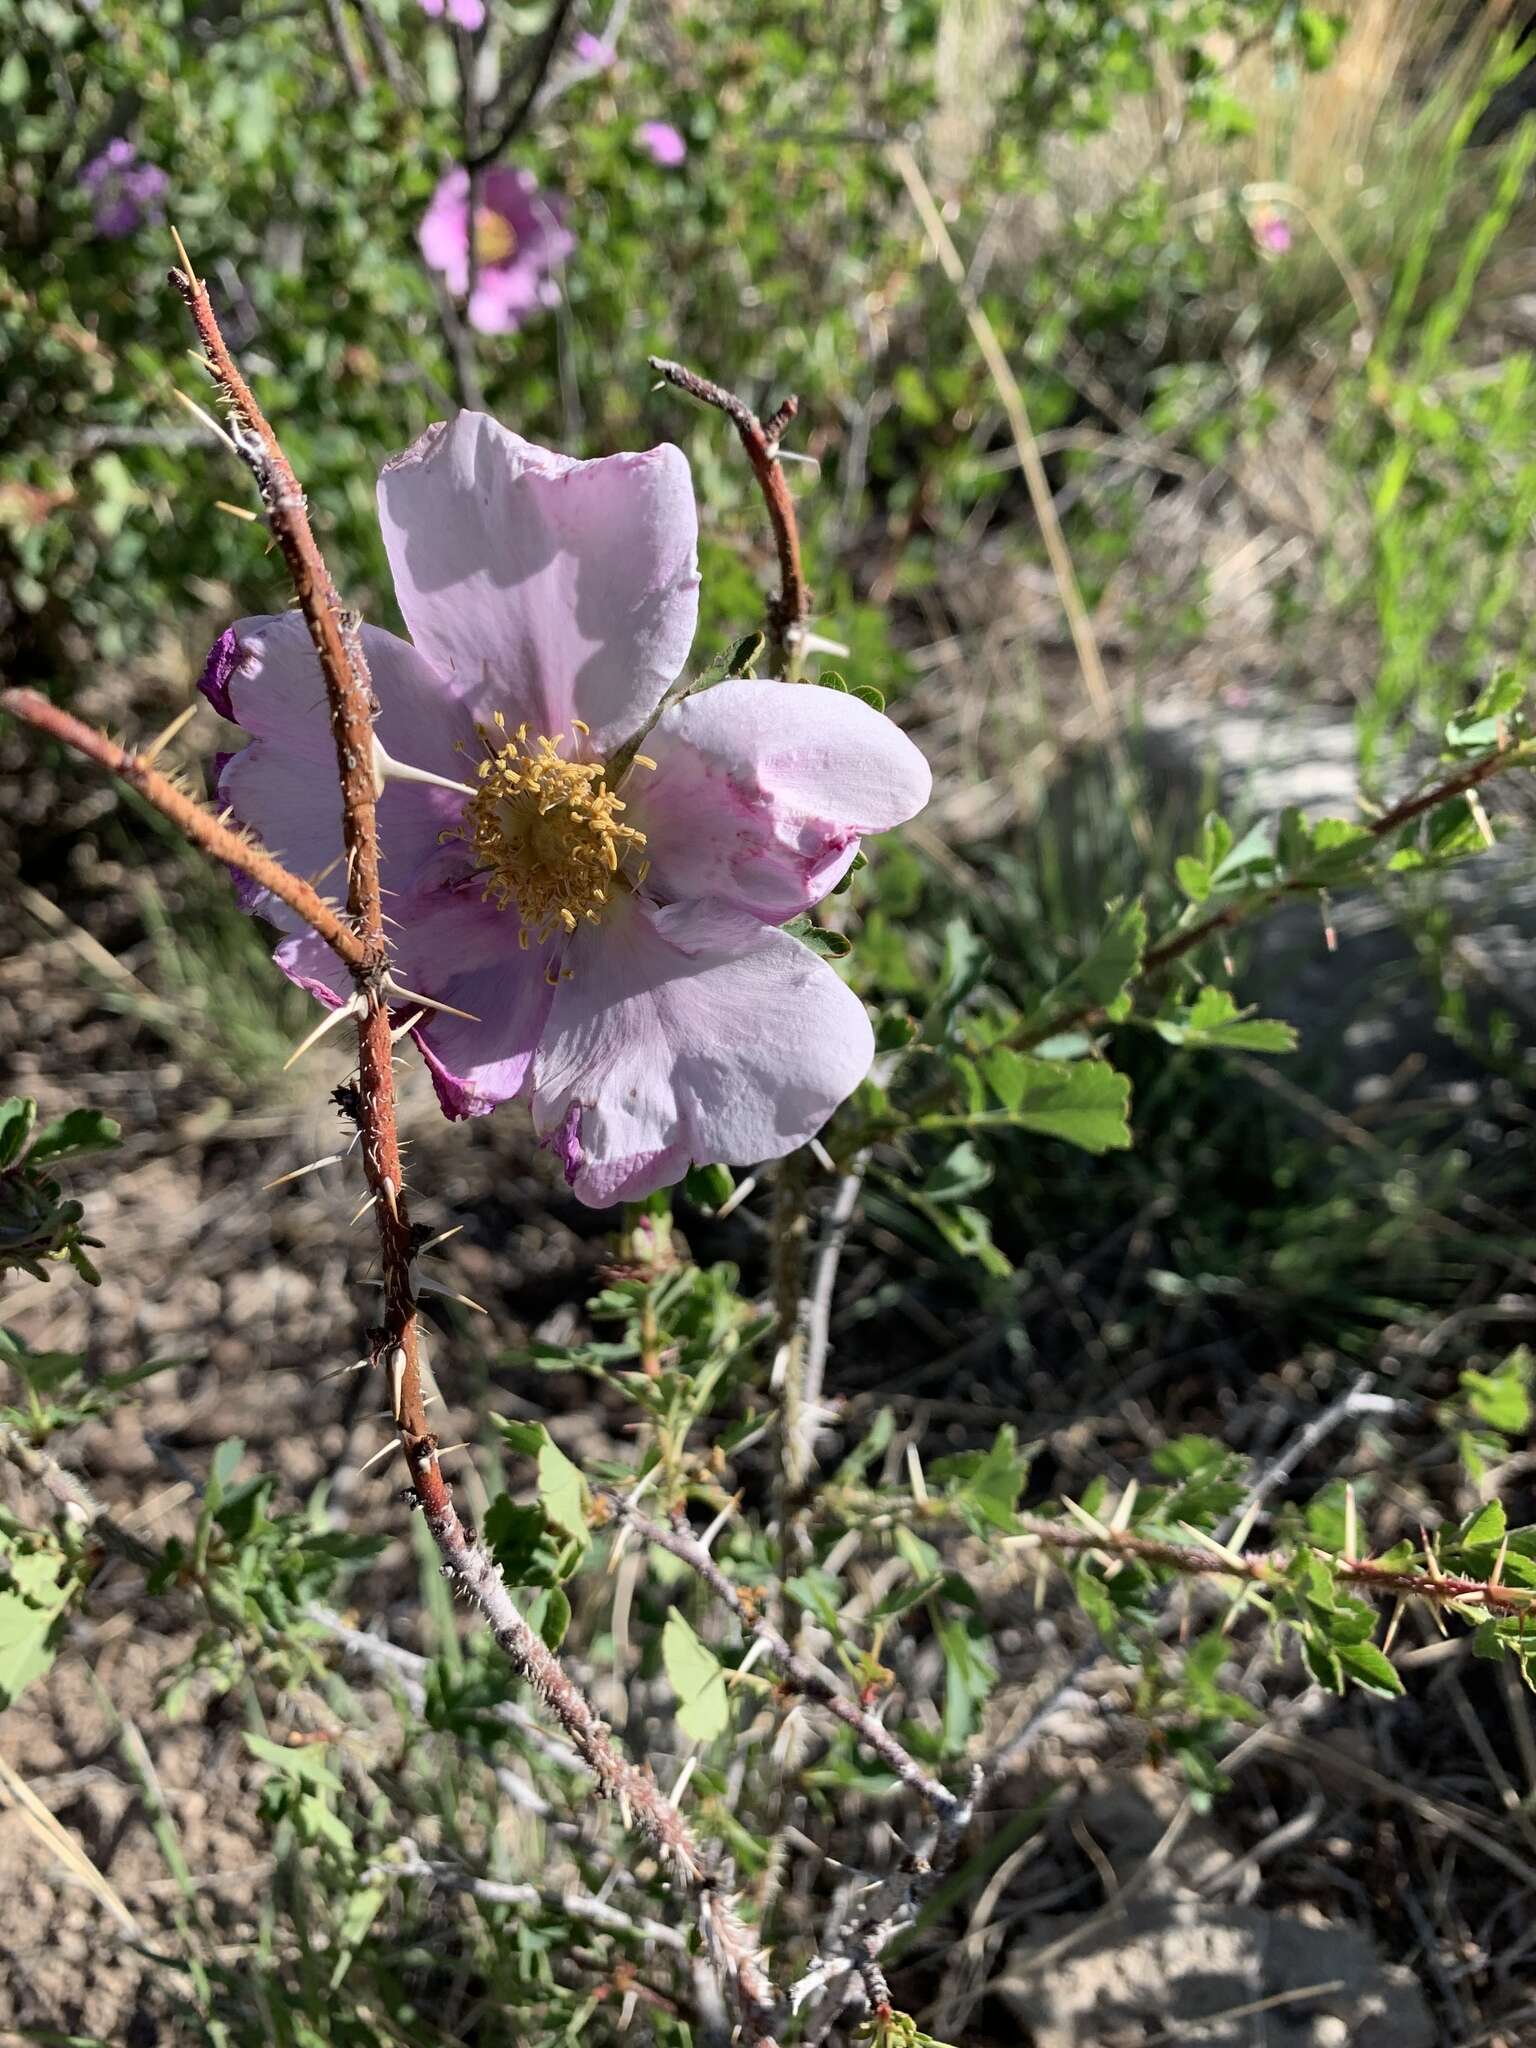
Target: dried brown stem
{"x":192,"y":819}
{"x":790,"y":608}
{"x":801,"y":1675}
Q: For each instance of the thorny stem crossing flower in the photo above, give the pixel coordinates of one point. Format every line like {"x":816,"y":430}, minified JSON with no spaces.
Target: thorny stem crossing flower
{"x":588,"y":873}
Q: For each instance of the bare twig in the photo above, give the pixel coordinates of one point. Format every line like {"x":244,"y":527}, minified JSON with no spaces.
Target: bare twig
{"x":535,"y":68}
{"x":789,"y":610}
{"x":1272,"y":1568}
{"x":73,"y":1495}
{"x":798,"y":1671}
{"x":836,"y":1225}
{"x":350,"y":57}
{"x":574,"y":1905}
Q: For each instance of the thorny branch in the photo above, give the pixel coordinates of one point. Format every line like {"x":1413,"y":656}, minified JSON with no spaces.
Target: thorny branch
{"x":1272,"y":1568}
{"x":799,"y":1673}
{"x":192,"y":819}
{"x":361,"y":944}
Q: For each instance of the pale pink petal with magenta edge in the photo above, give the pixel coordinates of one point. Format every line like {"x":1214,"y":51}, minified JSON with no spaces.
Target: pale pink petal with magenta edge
{"x":552,"y":590}
{"x":686,"y":1034}
{"x":264,"y":675}
{"x":455,"y":946}
{"x":761,"y":791}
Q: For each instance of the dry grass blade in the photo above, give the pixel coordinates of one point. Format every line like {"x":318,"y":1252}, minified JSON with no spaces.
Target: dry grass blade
{"x":61,"y":1845}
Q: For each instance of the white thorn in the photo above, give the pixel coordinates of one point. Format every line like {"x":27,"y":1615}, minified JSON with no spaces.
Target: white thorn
{"x":327,"y":1023}
{"x":804,"y":641}
{"x":915,"y":1474}
{"x":396,"y":1379}
{"x":298,"y":1173}
{"x":736,"y":1197}
{"x":821,"y":1155}
{"x":150,"y":753}
{"x":674,"y":1797}
{"x":387,"y":769}
{"x":410,"y":1024}
{"x":412,"y":995}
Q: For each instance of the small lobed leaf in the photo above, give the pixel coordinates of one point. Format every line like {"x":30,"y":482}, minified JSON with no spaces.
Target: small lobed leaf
{"x":73,"y":1135}
{"x":698,"y":1679}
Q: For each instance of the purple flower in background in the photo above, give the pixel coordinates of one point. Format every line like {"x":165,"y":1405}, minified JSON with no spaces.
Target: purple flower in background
{"x":518,"y":241}
{"x":467,"y":14}
{"x":592,"y":51}
{"x":127,"y":191}
{"x":598,"y":882}
{"x":663,"y":143}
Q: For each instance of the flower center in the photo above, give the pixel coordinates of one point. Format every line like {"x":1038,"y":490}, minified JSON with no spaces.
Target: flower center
{"x":495,"y":238}
{"x":547,"y":833}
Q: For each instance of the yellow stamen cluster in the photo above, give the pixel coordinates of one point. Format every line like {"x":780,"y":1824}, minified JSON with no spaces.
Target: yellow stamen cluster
{"x":547,"y":832}
{"x":495,"y":236}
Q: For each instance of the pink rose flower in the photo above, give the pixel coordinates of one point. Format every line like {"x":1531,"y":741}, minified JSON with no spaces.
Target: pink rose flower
{"x":467,"y":14}
{"x":519,"y":241}
{"x":663,"y":143}
{"x":597,"y":881}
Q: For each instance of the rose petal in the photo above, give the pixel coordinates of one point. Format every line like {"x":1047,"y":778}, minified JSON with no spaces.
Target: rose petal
{"x":761,"y":791}
{"x":463,"y":950}
{"x":264,"y":675}
{"x":444,"y":232}
{"x":691,"y":1033}
{"x":451,"y":945}
{"x":292,"y":802}
{"x":551,"y":589}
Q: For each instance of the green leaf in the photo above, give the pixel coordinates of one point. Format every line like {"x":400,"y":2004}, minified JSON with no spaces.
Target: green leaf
{"x":18,"y":1113}
{"x":1486,"y":1526}
{"x":1099,"y":981}
{"x":1193,"y":877}
{"x":1084,"y":1102}
{"x":33,"y":1597}
{"x":1501,"y":1399}
{"x":698,"y":1679}
{"x":73,"y":1135}
{"x":305,"y":1765}
{"x":709,"y":1187}
{"x":1366,"y":1665}
{"x":1214,"y":1020}
{"x":563,"y":1491}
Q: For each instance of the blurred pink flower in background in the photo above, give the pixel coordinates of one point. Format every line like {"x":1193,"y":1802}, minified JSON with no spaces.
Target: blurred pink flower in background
{"x":663,"y":143}
{"x":599,"y":883}
{"x":518,"y":239}
{"x":467,"y":14}
{"x":127,"y":191}
{"x":592,"y":51}
{"x":1271,"y":230}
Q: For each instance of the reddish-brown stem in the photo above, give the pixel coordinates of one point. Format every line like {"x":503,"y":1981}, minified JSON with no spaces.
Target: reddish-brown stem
{"x":336,"y":637}
{"x":801,"y":1675}
{"x":1270,"y":1568}
{"x":192,"y":819}
{"x":790,"y":608}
